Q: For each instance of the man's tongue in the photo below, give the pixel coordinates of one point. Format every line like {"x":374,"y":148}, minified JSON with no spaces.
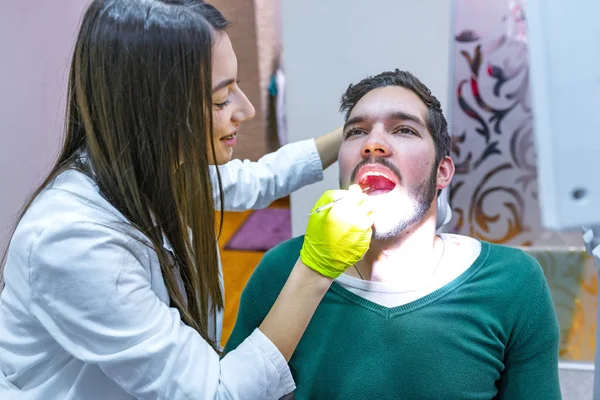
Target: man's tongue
{"x":377,"y":184}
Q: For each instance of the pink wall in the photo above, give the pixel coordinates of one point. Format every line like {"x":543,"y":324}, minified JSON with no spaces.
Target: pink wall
{"x":36,"y":38}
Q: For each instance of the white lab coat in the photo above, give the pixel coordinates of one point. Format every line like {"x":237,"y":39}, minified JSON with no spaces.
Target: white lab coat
{"x":85,"y":312}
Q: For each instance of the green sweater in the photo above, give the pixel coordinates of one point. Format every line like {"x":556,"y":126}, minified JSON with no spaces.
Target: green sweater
{"x":490,"y":333}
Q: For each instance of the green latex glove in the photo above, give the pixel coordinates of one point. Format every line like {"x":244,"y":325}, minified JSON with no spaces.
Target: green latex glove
{"x":338,"y":237}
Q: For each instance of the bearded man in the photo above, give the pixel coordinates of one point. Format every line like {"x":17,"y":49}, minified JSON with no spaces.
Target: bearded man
{"x":422,"y":315}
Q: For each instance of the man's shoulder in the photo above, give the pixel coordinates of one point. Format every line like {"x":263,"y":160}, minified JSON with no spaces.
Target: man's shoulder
{"x":515,"y":256}
{"x":288,"y":250}
{"x":277,"y":263}
{"x":498,"y":262}
{"x":513,"y":267}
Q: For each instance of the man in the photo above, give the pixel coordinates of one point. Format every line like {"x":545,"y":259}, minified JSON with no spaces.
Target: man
{"x":421,"y":316}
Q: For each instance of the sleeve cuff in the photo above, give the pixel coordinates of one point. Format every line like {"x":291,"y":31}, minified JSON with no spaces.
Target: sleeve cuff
{"x":286,"y":383}
{"x":314,"y":164}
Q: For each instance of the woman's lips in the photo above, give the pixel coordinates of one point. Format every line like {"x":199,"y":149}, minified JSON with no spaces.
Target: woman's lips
{"x":229,"y":140}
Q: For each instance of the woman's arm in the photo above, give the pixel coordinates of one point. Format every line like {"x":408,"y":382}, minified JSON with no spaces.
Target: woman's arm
{"x":328,"y":147}
{"x":335,"y":239}
{"x":254,"y":185}
{"x":91,"y":290}
{"x":285,"y":324}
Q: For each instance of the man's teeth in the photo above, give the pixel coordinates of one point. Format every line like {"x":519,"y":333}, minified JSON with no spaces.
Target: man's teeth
{"x":374,"y":173}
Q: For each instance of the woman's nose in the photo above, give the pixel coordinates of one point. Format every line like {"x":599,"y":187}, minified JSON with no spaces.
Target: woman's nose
{"x":245,"y":110}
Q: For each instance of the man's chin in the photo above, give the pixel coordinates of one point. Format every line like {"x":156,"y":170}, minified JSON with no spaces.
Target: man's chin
{"x":395,"y":226}
{"x":388,"y":233}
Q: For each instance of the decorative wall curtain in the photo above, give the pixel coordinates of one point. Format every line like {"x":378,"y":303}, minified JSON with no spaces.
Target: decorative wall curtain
{"x":494,"y":192}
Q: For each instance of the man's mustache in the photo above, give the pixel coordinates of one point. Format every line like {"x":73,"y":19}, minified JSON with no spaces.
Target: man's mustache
{"x":375,"y":160}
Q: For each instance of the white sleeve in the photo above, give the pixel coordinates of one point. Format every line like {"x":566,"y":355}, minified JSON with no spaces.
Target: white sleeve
{"x":91,"y":290}
{"x":253,"y":185}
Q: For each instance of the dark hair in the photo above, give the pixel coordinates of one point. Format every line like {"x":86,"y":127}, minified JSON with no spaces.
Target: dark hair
{"x":139,"y":108}
{"x":436,"y":122}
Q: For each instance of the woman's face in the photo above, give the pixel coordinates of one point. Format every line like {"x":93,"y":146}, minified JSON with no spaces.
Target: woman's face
{"x":231,"y":107}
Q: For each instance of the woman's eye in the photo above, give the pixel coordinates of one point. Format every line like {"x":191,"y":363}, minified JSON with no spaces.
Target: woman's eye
{"x":223,"y":104}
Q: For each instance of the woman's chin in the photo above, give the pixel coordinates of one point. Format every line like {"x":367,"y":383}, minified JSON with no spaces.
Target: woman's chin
{"x":225,"y":156}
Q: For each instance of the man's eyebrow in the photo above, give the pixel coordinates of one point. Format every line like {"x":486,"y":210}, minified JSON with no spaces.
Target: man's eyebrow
{"x":353,"y":121}
{"x":396,"y":115}
{"x":223,"y":84}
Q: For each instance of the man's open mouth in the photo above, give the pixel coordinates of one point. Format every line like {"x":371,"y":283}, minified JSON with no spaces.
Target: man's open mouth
{"x":376,"y":182}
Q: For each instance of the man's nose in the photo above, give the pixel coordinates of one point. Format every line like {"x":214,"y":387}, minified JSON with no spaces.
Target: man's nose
{"x":376,"y":146}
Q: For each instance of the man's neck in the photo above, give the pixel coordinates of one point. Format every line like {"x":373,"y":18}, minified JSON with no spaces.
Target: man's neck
{"x":410,"y":258}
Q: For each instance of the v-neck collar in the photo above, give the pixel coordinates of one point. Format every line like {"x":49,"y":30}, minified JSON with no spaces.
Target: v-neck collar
{"x":390,"y":312}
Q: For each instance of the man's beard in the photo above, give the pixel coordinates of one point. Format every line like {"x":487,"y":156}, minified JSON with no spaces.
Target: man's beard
{"x":420,"y":198}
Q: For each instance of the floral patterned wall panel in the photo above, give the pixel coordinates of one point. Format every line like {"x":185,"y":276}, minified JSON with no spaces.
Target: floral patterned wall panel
{"x":494,"y":192}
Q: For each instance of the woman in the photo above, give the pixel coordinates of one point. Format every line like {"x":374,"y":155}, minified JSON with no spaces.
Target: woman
{"x":112,"y":274}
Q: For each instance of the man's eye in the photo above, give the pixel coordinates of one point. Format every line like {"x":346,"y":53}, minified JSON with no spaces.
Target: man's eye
{"x":223,"y":104}
{"x":353,"y":132}
{"x":404,"y":130}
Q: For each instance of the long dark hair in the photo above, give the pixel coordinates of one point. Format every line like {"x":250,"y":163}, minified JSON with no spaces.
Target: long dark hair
{"x":139,"y":108}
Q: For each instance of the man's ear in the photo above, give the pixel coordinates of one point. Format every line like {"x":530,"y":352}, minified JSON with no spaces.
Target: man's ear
{"x":445,"y":172}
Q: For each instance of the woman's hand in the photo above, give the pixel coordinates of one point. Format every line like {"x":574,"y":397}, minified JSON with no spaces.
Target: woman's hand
{"x":338,"y":237}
